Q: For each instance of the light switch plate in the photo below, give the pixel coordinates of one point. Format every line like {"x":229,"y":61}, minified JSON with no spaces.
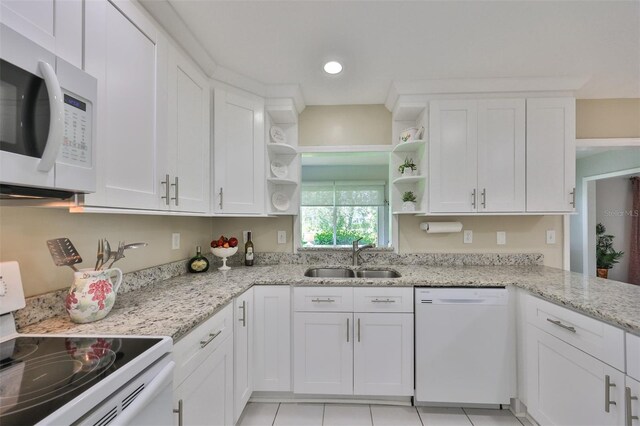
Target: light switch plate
{"x":551,"y":236}
{"x":175,"y":241}
{"x":244,"y":236}
{"x":282,"y":237}
{"x":501,"y":238}
{"x":468,"y":237}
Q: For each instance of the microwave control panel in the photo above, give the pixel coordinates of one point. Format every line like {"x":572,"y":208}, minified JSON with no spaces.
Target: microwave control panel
{"x":76,"y":146}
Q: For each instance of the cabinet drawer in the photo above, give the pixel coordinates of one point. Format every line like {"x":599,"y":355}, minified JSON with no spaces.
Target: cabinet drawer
{"x":383,"y":299}
{"x":596,"y":338}
{"x":192,"y":349}
{"x":323,"y":299}
{"x":633,"y":356}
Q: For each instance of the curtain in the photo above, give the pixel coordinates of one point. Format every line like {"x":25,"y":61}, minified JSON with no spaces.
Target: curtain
{"x":343,"y":193}
{"x":634,"y":250}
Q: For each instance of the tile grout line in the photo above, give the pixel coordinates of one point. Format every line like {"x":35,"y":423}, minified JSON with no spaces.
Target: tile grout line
{"x":468,"y":418}
{"x":274,"y":417}
{"x":418,"y":413}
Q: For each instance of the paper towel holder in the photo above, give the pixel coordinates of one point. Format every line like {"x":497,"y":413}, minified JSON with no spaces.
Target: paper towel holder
{"x":441,"y":227}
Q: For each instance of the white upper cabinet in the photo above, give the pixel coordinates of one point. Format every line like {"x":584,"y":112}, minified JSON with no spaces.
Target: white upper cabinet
{"x":453,"y":156}
{"x":54,"y":25}
{"x":551,"y":154}
{"x":188,"y":153}
{"x":239,"y":154}
{"x":477,"y":156}
{"x":501,"y":155}
{"x":123,"y":51}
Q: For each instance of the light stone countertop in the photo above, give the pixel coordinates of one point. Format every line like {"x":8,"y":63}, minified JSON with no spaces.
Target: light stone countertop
{"x":175,"y":306}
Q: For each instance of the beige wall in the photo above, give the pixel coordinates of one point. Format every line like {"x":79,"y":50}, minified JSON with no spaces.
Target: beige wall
{"x":264,"y":231}
{"x":607,"y":118}
{"x":525,"y":234}
{"x":24,"y":231}
{"x":345,"y":125}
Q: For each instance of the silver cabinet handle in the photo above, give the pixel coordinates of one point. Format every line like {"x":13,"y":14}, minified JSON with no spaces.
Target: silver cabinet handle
{"x":243,"y":320}
{"x":347,"y":330}
{"x":387,"y":300}
{"x":573,"y":198}
{"x":358,"y":329}
{"x":607,"y":393}
{"x":559,"y":324}
{"x":179,"y":412}
{"x":212,"y":336}
{"x":166,"y":189}
{"x":484,"y":198}
{"x":220,"y":193}
{"x":323,"y":300}
{"x":629,"y":417}
{"x":473,"y":198}
{"x":176,"y":192}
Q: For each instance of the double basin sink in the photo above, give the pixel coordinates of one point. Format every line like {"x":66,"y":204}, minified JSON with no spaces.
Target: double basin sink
{"x":350,"y":273}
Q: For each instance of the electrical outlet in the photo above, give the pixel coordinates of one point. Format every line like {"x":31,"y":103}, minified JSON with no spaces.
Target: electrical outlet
{"x":244,"y":236}
{"x":175,"y":240}
{"x":551,"y":236}
{"x":468,"y":237}
{"x":282,"y":237}
{"x":501,"y":237}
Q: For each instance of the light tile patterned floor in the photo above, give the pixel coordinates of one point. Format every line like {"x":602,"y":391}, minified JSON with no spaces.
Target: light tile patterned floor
{"x":290,"y":414}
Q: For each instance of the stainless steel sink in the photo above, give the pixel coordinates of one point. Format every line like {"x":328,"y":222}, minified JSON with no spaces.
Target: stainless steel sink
{"x":376,"y":273}
{"x":349,"y":273}
{"x":330,"y":273}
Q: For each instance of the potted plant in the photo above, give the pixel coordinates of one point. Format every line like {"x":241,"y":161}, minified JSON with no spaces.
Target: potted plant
{"x":606,"y":256}
{"x":408,"y":168}
{"x":408,"y":202}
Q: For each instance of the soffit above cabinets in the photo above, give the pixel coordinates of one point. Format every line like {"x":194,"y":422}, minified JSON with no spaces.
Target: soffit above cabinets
{"x":401,"y":44}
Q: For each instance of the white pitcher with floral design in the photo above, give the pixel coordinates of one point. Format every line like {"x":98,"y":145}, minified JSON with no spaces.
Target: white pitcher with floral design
{"x":92,"y":294}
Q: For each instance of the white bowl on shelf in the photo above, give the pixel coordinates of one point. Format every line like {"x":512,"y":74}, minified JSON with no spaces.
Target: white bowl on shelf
{"x":224,"y":253}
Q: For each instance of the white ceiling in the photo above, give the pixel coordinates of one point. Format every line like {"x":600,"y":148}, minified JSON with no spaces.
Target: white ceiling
{"x":385,"y":41}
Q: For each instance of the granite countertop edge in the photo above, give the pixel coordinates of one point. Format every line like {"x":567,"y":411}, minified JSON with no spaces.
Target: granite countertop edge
{"x":175,"y":306}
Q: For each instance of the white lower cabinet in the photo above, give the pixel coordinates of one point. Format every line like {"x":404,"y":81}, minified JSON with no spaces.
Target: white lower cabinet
{"x":347,"y":353}
{"x":272,"y":338}
{"x":323,"y":353}
{"x":243,"y":351}
{"x":203,"y":379}
{"x":569,"y":387}
{"x":631,"y":402}
{"x":383,"y":354}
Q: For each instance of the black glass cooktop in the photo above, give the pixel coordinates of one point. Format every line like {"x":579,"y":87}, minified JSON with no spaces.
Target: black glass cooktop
{"x":38,"y":375}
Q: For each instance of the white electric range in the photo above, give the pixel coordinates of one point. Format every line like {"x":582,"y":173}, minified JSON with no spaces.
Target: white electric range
{"x":84,"y":380}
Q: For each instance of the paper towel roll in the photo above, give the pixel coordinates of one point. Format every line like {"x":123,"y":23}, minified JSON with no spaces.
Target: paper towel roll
{"x":441,"y":227}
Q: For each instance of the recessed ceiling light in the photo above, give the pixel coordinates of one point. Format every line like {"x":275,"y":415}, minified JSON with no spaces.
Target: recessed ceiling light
{"x":332,"y":67}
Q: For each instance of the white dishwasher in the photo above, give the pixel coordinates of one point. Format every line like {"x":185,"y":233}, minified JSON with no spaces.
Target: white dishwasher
{"x":465,"y":346}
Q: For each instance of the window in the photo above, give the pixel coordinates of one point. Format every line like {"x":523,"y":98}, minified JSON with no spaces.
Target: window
{"x":337,"y":213}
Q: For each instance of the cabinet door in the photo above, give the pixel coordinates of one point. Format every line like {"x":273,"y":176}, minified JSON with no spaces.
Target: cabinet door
{"x":453,"y":156}
{"x":551,"y":154}
{"x":632,"y":402}
{"x":243,"y":351}
{"x":568,"y":387}
{"x":501,"y":155}
{"x":54,"y":25}
{"x":189,"y":135}
{"x":272,"y":348}
{"x":124,"y":53}
{"x":323,"y":353}
{"x":239,"y":153}
{"x":383,"y":354}
{"x":207,"y":394}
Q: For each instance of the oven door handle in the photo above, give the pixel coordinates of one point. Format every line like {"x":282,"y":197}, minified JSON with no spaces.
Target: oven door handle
{"x":56,"y":122}
{"x":153,"y":388}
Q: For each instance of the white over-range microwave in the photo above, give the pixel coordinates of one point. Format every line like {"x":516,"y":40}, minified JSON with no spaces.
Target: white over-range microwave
{"x":47,"y":135}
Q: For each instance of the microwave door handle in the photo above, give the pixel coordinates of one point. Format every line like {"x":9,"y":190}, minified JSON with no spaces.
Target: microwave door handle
{"x":56,"y":107}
